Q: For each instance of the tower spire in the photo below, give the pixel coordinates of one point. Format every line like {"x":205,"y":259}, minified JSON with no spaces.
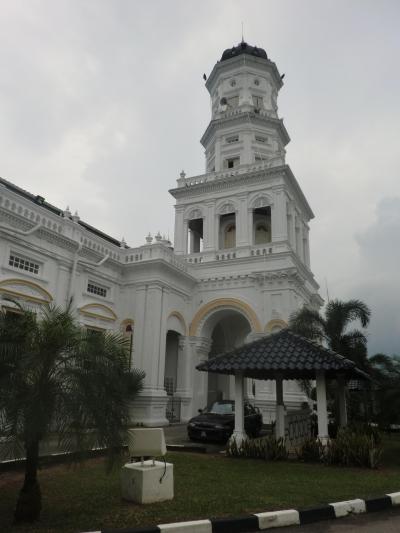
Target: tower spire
{"x":242,"y":33}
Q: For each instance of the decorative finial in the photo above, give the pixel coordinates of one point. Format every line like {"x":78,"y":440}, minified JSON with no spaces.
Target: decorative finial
{"x":149,"y":238}
{"x":76,"y":217}
{"x":123,"y":243}
{"x":67,"y":212}
{"x":158,"y":237}
{"x":183,"y":174}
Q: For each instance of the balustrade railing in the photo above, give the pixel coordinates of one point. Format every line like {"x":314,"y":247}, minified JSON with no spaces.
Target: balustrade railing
{"x":236,"y":253}
{"x":228,"y":173}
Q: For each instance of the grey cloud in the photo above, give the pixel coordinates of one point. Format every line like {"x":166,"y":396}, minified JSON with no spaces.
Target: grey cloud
{"x":380,"y":276}
{"x":102,"y":104}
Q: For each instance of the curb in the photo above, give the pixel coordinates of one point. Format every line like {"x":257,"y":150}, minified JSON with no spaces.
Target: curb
{"x":272,"y":519}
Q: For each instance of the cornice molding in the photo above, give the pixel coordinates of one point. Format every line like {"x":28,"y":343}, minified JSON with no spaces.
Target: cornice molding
{"x":247,"y":61}
{"x":228,"y":180}
{"x":210,"y":184}
{"x":245,"y":117}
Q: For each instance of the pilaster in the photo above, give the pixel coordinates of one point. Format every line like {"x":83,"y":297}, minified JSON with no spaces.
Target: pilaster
{"x":209,"y":227}
{"x":242,"y":220}
{"x":179,"y":241}
{"x":278,"y":217}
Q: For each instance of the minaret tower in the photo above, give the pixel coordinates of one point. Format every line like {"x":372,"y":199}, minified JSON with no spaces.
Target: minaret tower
{"x":242,"y":227}
{"x":248,"y":207}
{"x":244,"y":128}
{"x":248,"y":202}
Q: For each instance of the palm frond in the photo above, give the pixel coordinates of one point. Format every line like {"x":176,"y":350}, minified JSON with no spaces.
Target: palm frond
{"x":307,"y":322}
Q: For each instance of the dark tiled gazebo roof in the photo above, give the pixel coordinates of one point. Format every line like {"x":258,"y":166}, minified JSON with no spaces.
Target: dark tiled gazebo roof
{"x":284,"y":353}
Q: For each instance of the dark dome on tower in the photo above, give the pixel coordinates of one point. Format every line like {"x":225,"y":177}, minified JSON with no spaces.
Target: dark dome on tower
{"x":244,"y":48}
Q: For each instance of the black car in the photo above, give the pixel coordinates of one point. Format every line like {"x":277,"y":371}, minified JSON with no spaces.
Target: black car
{"x":217,"y":421}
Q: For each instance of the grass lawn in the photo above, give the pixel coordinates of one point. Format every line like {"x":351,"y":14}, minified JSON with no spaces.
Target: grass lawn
{"x":85,"y":497}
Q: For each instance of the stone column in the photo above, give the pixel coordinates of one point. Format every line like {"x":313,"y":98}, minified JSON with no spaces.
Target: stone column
{"x":239,"y":434}
{"x":280,"y":409}
{"x":200,"y":348}
{"x":184,"y":386}
{"x":342,"y":401}
{"x":322,"y":410}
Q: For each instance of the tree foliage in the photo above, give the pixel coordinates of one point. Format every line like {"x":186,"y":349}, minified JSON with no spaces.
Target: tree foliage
{"x":56,"y":377}
{"x":334,"y":328}
{"x":386,"y":371}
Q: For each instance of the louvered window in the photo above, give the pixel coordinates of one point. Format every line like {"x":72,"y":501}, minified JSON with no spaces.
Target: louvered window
{"x":23,"y":263}
{"x":94,"y":288}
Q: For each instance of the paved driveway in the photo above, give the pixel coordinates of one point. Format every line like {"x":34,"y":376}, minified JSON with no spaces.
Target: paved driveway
{"x":177,"y":434}
{"x":382,"y":522}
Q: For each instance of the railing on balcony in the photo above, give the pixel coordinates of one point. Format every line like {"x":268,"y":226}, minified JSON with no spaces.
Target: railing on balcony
{"x":156,"y":251}
{"x":228,"y":173}
{"x":237,"y":253}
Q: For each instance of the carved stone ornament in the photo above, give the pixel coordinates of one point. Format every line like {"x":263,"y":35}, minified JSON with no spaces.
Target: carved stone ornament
{"x":262,"y":201}
{"x":195,"y":213}
{"x":226,"y":208}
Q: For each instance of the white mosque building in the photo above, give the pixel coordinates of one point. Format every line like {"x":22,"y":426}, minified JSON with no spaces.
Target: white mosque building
{"x":239,"y":266}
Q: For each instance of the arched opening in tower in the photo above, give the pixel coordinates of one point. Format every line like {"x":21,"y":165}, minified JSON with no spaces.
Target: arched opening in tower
{"x":262,"y":225}
{"x":229,"y":332}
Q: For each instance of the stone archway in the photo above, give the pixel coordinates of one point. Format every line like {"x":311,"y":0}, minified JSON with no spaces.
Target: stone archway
{"x":228,"y":330}
{"x":225,"y":326}
{"x":218,"y":325}
{"x":200,"y":323}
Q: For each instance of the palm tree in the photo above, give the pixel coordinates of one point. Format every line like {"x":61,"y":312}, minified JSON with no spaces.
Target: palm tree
{"x":333,"y":328}
{"x":56,"y":377}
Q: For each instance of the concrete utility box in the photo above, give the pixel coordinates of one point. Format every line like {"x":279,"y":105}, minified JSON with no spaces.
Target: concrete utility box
{"x":147,"y":482}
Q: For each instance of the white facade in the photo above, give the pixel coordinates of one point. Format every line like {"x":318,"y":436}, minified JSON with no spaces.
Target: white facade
{"x":240,"y":263}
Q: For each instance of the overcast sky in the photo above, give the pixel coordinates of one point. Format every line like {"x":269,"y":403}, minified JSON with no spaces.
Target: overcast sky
{"x":102,"y":104}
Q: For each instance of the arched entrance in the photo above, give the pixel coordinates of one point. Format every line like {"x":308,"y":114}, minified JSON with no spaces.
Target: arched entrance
{"x":174,"y":369}
{"x":227,"y":329}
{"x":219,"y":325}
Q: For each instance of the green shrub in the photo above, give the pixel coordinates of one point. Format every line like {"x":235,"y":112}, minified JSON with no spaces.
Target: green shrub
{"x":268,"y":448}
{"x":363,"y":428}
{"x":311,"y":451}
{"x":352,"y":447}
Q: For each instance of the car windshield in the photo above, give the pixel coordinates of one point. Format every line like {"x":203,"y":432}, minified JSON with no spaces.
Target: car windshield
{"x":219,"y":408}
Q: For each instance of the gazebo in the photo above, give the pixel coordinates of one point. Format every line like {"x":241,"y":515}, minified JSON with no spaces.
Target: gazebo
{"x":280,"y":356}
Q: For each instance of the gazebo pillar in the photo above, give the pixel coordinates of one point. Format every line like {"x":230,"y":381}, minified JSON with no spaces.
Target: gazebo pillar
{"x":280,"y":409}
{"x":239,"y":433}
{"x":322,"y":410}
{"x":342,"y":401}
